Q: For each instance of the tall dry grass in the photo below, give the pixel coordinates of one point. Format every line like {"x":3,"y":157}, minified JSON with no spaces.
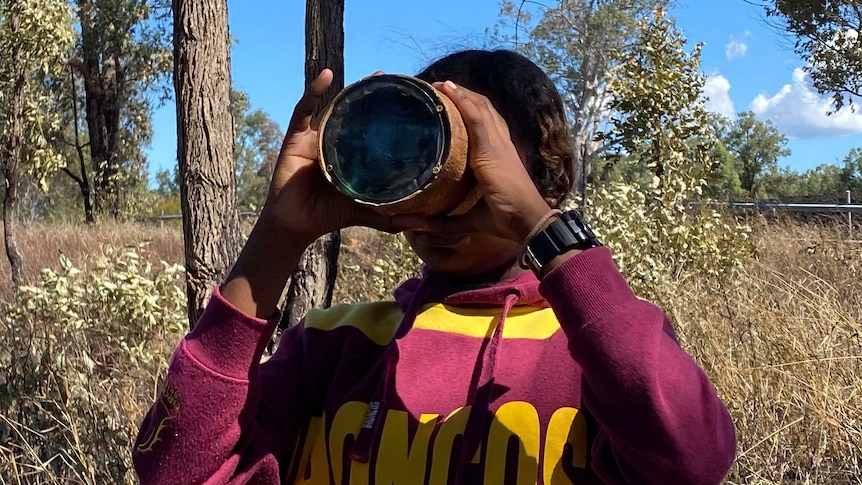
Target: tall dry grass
{"x":781,"y":342}
{"x":42,"y":244}
{"x":782,"y":345}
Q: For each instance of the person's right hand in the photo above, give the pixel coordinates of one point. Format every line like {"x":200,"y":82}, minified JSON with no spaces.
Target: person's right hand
{"x":300,"y":201}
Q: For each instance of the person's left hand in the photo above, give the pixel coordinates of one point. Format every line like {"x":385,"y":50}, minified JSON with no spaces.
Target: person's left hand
{"x":511,"y":205}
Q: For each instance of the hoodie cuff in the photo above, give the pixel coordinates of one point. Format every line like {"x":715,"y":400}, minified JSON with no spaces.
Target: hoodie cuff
{"x":586,"y":288}
{"x":227,"y":341}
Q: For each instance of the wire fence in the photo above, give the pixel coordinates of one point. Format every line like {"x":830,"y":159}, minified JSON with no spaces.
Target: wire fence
{"x":847,"y":208}
{"x":176,"y":217}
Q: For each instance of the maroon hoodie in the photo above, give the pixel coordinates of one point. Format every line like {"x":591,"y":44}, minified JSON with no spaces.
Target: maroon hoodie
{"x":574,"y":380}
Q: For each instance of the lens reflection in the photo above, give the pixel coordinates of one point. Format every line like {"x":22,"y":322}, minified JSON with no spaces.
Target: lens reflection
{"x":383,"y":140}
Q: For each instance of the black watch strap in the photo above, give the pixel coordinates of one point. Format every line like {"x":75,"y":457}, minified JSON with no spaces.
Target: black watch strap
{"x":569,"y":231}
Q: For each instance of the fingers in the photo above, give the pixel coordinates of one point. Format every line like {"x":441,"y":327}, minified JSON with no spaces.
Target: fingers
{"x":468,"y":103}
{"x":477,"y":219}
{"x":484,"y":124}
{"x":301,"y":119}
{"x":367,"y":217}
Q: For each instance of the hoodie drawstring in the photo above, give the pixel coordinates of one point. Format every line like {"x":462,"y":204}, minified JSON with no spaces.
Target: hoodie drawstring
{"x":480,"y":401}
{"x":362,"y":446}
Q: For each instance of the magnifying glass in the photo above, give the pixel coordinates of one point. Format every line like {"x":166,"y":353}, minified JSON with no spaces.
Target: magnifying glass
{"x":397,"y":144}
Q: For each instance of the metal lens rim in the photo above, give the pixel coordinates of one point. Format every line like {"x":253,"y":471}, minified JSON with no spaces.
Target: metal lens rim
{"x":432,"y":101}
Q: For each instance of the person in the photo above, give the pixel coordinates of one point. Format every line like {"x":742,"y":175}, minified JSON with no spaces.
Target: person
{"x":478,"y":372}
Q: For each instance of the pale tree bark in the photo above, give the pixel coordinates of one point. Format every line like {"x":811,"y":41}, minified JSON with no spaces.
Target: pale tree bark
{"x":588,"y":106}
{"x":13,"y":156}
{"x":579,"y":42}
{"x":313,"y":281}
{"x":205,"y":135}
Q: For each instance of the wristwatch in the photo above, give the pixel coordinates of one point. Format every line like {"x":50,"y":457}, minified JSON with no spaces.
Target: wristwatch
{"x":568,"y":232}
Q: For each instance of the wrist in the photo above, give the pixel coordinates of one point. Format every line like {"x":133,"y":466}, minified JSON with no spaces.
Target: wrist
{"x":535,"y":218}
{"x":276,"y":228}
{"x":257,"y":280}
{"x":558,"y":261}
{"x":559,"y":239}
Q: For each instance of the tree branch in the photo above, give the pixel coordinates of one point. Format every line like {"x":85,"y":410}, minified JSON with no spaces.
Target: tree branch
{"x":81,"y":67}
{"x":73,"y":175}
{"x":66,"y":142}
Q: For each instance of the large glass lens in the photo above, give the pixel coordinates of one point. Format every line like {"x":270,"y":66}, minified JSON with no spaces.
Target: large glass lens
{"x":383,"y":139}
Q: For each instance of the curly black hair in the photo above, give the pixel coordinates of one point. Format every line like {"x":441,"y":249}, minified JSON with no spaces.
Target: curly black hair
{"x":529,"y":102}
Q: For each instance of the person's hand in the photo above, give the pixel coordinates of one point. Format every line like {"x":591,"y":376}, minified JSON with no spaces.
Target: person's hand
{"x":511,"y":204}
{"x":300,"y":201}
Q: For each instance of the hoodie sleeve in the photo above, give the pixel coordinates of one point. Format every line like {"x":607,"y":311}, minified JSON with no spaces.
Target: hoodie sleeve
{"x":659,"y":418}
{"x":211,"y":424}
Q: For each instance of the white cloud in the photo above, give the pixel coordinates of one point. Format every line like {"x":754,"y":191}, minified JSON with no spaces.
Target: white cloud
{"x":717,"y":93}
{"x":799,"y":112}
{"x":735,"y":49}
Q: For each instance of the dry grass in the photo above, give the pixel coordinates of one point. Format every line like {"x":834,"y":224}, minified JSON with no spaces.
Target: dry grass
{"x":781,"y":342}
{"x":42,"y":245}
{"x":782,"y":345}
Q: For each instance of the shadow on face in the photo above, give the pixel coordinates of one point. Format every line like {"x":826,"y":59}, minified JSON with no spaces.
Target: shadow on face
{"x":475,"y":254}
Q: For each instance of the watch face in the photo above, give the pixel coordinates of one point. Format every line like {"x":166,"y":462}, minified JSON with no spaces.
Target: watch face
{"x":385,"y":139}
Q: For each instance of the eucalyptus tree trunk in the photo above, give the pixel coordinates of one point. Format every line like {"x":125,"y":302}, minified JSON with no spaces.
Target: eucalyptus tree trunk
{"x":13,"y":157}
{"x":103,"y":104}
{"x":314,"y":279}
{"x":205,"y":135}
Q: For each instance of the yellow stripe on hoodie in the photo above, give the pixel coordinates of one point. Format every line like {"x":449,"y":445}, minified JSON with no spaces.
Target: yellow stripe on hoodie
{"x":379,"y":321}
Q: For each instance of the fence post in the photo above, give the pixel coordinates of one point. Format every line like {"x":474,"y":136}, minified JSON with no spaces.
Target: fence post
{"x":849,"y":215}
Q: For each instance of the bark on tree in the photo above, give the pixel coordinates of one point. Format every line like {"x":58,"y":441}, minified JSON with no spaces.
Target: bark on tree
{"x":589,"y":108}
{"x":205,"y":135}
{"x":104,"y":80}
{"x":314,"y":279}
{"x":13,"y":157}
{"x":82,"y":180}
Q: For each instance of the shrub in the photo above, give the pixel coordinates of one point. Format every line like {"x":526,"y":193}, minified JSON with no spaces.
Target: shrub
{"x":377,"y":266}
{"x":84,"y":353}
{"x":657,"y":240}
{"x":661,"y":143}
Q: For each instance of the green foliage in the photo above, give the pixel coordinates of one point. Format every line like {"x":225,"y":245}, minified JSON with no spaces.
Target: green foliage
{"x":826,"y":181}
{"x":757,"y":146}
{"x":82,"y":349}
{"x":170,"y":205}
{"x":258,"y":141}
{"x":166,"y":197}
{"x":168,"y":182}
{"x":827,"y":39}
{"x":124,"y":56}
{"x":723,"y":181}
{"x":661,"y":131}
{"x":391,"y":263}
{"x":578,"y":43}
{"x":851,"y":172}
{"x":745,"y":165}
{"x":43,"y":37}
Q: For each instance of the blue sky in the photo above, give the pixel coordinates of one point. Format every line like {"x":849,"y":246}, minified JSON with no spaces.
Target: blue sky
{"x":749,"y":66}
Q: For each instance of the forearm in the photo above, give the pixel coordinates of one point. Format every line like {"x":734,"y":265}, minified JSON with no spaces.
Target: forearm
{"x":660,"y":419}
{"x":257,"y":280}
{"x":206,"y":424}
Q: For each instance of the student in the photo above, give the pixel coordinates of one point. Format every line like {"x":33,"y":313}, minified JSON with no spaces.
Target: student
{"x":479,"y":372}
